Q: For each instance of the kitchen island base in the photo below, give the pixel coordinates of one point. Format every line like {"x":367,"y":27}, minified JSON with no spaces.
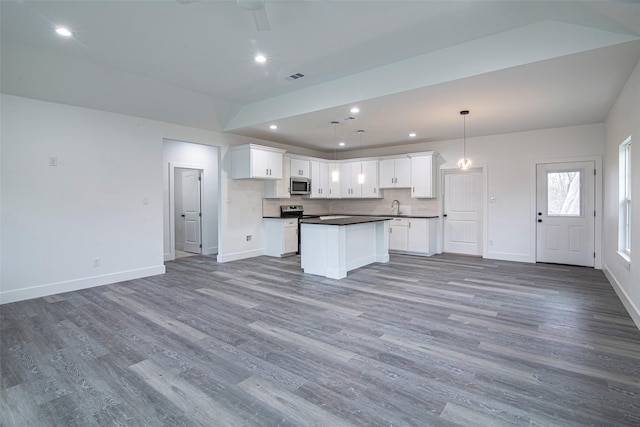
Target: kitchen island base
{"x":333,"y":250}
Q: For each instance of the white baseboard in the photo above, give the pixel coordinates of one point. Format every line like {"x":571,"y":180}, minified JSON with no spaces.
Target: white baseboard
{"x":77,"y":284}
{"x":507,"y":256}
{"x":633,"y":311}
{"x":240,"y":255}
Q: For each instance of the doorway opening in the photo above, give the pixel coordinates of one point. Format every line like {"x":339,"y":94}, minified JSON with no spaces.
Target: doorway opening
{"x":181,"y":234}
{"x":187,"y":212}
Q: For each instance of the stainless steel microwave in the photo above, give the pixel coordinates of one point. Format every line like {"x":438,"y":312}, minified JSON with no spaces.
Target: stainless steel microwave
{"x":300,"y":186}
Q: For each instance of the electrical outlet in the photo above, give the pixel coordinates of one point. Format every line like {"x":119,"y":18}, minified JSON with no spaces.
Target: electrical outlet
{"x":249,"y":238}
{"x":96,"y":262}
{"x":53,"y":161}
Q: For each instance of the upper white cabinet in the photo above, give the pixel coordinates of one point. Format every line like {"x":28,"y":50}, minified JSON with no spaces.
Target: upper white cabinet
{"x":333,"y":180}
{"x":424,"y":168}
{"x":359,"y":179}
{"x":349,"y":186}
{"x":322,"y":184}
{"x":278,"y":188}
{"x":300,"y":168}
{"x":256,"y":161}
{"x":395,"y":173}
{"x":369,"y":186}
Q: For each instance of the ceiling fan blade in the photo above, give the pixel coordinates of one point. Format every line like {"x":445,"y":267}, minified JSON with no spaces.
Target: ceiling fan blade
{"x":261,"y":19}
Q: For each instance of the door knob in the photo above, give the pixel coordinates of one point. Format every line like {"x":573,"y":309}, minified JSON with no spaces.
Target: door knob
{"x":445,"y":215}
{"x":182,"y":215}
{"x":539,"y":220}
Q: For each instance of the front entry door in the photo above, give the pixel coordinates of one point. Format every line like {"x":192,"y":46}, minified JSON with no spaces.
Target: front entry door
{"x":565,"y":213}
{"x":463,"y":212}
{"x":191,"y":210}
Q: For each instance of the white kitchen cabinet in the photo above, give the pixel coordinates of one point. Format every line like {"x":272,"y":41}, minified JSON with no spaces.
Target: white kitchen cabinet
{"x":322,"y":184}
{"x":333,"y":185}
{"x":424,"y":175}
{"x":349,"y":186}
{"x":398,"y":234}
{"x":256,"y":161}
{"x":413,"y":235}
{"x":278,"y":188}
{"x":281,"y":236}
{"x":395,"y":173}
{"x":300,"y":168}
{"x":359,"y":179}
{"x":369,"y":187}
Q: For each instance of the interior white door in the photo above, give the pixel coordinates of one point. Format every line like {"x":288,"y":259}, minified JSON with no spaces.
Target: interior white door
{"x":191,"y":210}
{"x":463,"y":212}
{"x":565,"y":223}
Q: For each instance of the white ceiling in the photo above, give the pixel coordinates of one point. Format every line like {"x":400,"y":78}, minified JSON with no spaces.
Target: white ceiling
{"x":410,"y":66}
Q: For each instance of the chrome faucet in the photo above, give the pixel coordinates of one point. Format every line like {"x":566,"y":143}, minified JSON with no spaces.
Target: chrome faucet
{"x":396,"y":203}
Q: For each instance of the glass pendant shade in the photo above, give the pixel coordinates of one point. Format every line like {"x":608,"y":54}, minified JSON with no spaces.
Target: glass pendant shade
{"x":464,"y":163}
{"x":360,"y":178}
{"x":335,"y":175}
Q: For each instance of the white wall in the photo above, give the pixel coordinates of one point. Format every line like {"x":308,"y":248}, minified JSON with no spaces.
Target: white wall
{"x":102,"y":200}
{"x":179,"y":154}
{"x":623,"y":122}
{"x":56,"y":220}
{"x":509,"y":160}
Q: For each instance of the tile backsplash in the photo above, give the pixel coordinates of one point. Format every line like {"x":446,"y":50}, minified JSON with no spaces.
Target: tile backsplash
{"x":408,"y":206}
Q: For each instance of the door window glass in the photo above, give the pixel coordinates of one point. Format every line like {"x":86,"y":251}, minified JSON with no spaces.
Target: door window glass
{"x":563,"y":193}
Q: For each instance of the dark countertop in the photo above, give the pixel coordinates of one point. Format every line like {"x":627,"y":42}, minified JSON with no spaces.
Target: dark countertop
{"x":346,"y":220}
{"x":376,"y":216}
{"x":395,"y":216}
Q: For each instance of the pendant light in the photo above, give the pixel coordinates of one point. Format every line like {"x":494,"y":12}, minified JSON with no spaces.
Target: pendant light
{"x":464,"y":163}
{"x":335,"y":173}
{"x":360,"y":175}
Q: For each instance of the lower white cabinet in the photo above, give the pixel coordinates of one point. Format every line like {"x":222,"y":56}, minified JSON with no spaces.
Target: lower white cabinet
{"x":413,"y":235}
{"x":398,"y":234}
{"x":281,"y":236}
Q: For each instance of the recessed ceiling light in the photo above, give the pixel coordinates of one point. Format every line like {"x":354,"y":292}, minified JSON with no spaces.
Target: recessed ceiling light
{"x":260,"y":58}
{"x":355,"y":110}
{"x":341,"y":144}
{"x":64,"y":32}
{"x":412,"y":135}
{"x":273,"y":127}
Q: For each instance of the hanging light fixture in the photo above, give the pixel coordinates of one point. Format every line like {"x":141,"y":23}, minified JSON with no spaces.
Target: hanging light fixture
{"x":360,"y":175}
{"x":335,"y":173}
{"x":464,"y":163}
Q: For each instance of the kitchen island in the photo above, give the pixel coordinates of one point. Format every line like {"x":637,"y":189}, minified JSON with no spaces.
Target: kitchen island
{"x":333,"y":245}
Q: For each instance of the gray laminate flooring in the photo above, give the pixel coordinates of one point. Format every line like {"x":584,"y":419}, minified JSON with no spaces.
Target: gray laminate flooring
{"x":440,"y":341}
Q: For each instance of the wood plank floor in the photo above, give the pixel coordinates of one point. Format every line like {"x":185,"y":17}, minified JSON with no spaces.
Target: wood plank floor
{"x":440,"y":341}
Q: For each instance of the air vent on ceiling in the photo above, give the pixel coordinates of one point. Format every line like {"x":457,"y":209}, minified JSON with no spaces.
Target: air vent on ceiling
{"x":295,"y":76}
